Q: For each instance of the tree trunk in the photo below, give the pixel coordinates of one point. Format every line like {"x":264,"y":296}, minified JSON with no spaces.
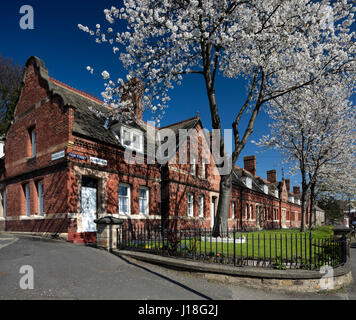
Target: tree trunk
{"x":312,"y":205}
{"x":221,"y":222}
{"x":304,"y":207}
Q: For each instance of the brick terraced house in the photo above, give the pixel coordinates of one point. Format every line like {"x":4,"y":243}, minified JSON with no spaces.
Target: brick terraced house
{"x":64,"y":167}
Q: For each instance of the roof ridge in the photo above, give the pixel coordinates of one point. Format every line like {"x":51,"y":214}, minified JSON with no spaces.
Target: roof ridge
{"x":83,"y":94}
{"x":264,"y":180}
{"x":180,"y":122}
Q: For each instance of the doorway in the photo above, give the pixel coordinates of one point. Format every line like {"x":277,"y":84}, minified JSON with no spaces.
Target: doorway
{"x":89,"y":204}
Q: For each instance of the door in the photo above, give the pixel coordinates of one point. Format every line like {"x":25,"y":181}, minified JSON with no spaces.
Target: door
{"x":89,"y":204}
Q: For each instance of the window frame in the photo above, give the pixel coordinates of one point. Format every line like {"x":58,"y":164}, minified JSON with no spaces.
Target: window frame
{"x":147,"y":200}
{"x":27,"y":193}
{"x":128,"y":197}
{"x":33,"y":141}
{"x":190,"y":205}
{"x":131,"y":132}
{"x":201,"y":206}
{"x":40,"y":197}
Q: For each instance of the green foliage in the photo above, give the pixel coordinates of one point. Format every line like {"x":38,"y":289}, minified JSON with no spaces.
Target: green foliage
{"x":10,"y":87}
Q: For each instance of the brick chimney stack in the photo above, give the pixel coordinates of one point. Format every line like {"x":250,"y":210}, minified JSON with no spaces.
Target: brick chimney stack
{"x":133,"y":90}
{"x":250,"y":164}
{"x":296,"y":190}
{"x":272,"y":176}
{"x":288,"y":185}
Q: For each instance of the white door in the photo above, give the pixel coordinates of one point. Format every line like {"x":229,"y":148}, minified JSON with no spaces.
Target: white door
{"x":89,"y":206}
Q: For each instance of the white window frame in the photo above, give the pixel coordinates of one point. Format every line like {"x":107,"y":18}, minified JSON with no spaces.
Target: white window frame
{"x":145,"y":199}
{"x":201,"y":206}
{"x":190,"y":205}
{"x":232,"y":210}
{"x":27,"y":199}
{"x":132,"y":132}
{"x":128,"y":197}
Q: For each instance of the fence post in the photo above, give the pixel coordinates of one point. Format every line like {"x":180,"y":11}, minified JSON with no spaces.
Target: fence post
{"x":310,"y":251}
{"x":234,"y":231}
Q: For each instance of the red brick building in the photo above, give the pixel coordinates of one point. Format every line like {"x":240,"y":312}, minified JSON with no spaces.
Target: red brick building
{"x":64,"y":166}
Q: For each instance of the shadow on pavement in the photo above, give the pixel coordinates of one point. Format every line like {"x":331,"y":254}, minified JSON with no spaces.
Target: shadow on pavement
{"x":167,"y":279}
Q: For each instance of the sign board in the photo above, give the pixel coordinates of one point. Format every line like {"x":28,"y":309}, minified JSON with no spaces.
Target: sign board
{"x":77,"y":156}
{"x":58,"y":155}
{"x":98,"y":161}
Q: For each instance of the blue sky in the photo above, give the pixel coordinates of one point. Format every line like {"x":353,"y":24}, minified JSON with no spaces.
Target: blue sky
{"x":67,"y":51}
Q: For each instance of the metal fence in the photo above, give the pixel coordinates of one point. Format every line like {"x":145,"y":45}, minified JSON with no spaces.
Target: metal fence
{"x":279,"y":250}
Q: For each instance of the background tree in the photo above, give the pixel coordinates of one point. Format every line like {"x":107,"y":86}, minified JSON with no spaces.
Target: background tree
{"x":313,"y":128}
{"x":275,"y":46}
{"x":10,"y":86}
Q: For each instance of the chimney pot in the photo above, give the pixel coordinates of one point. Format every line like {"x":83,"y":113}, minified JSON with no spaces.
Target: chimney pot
{"x":250,"y":164}
{"x":272,"y":176}
{"x":296,"y":190}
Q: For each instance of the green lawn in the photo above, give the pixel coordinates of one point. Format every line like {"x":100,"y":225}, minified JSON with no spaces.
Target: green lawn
{"x":279,"y":247}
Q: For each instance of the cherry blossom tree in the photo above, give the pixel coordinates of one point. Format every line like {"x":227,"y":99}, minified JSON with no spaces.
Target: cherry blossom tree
{"x":313,"y":128}
{"x":275,"y":46}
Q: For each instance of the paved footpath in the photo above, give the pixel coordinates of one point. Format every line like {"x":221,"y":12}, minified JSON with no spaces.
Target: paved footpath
{"x":70,"y":272}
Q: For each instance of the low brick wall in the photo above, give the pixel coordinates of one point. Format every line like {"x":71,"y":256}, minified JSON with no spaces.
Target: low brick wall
{"x":262,"y":278}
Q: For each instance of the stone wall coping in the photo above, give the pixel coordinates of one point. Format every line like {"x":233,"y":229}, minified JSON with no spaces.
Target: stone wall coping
{"x":252,"y":272}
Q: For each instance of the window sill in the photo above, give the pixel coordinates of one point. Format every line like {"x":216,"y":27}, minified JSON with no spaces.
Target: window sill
{"x":25,"y":218}
{"x":34,"y":217}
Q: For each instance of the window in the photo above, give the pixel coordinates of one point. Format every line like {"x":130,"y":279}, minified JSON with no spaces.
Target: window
{"x":201,"y":206}
{"x":233,"y":210}
{"x":132,"y":139}
{"x":193,"y":168}
{"x":32,"y":133}
{"x":265,"y":189}
{"x":190,"y":205}
{"x":246,"y":212}
{"x":3,"y":202}
{"x":203,"y":169}
{"x":27,"y":199}
{"x":124,"y":199}
{"x":251,"y":213}
{"x":249,"y":182}
{"x":40,"y":198}
{"x":143,"y":200}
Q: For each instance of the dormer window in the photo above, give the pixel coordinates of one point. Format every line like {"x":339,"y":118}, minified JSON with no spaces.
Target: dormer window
{"x":248,"y":182}
{"x":291,"y":199}
{"x":132,"y":139}
{"x":276,"y":193}
{"x":265,"y":189}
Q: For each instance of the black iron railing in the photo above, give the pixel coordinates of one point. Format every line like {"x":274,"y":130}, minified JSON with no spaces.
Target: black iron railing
{"x":280,"y":250}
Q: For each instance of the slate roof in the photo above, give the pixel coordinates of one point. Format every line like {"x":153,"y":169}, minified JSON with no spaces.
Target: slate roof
{"x":86,"y":122}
